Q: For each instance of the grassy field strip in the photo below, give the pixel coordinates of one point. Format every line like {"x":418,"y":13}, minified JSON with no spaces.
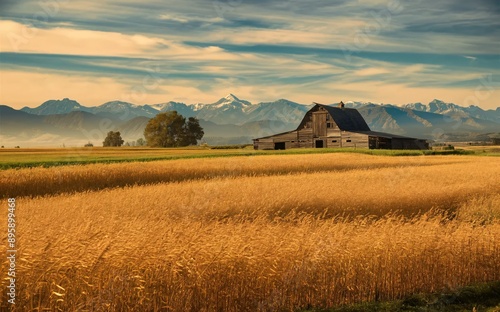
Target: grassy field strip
{"x":29,"y":158}
{"x":43,"y":181}
{"x":13,"y":158}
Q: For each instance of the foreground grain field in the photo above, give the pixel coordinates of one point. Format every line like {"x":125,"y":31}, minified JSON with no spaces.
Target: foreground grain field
{"x":263,"y":233}
{"x":54,"y":180}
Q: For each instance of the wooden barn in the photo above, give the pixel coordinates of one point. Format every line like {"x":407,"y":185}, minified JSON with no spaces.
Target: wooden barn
{"x":328,"y":126}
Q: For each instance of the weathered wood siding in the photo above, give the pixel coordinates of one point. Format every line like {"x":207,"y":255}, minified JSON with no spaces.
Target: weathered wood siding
{"x":319,"y":124}
{"x":294,"y":139}
{"x":356,"y":140}
{"x":305,"y":138}
{"x":333,"y":142}
{"x":263,"y":144}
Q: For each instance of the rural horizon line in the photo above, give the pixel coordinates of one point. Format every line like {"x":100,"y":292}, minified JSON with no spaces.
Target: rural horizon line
{"x":252,"y":103}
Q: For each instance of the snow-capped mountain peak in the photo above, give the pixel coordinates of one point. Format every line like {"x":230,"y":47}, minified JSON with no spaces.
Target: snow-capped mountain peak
{"x":231,"y":97}
{"x":124,"y":109}
{"x":165,"y":106}
{"x":179,"y":107}
{"x":230,"y":101}
{"x":159,"y":106}
{"x":416,"y":106}
{"x":119,"y":104}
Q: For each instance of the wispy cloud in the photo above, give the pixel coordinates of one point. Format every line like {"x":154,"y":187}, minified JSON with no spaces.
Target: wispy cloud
{"x":264,"y":49}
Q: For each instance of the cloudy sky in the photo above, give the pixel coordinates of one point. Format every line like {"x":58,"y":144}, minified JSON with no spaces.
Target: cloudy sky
{"x":261,"y":50}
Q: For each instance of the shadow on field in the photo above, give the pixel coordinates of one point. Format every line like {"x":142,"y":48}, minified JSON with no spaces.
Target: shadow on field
{"x":483,"y":297}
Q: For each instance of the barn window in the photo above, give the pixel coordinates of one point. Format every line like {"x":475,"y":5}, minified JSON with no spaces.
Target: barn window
{"x":334,"y":141}
{"x":328,"y":125}
{"x":327,"y":116}
{"x":348,"y":140}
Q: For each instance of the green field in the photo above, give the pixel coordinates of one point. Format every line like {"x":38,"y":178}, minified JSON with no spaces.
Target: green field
{"x":50,"y":157}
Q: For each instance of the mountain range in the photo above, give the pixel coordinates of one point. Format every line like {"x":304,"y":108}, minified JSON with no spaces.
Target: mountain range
{"x":231,"y":120}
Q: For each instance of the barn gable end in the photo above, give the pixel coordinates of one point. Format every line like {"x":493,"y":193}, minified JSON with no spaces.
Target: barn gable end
{"x":328,"y":126}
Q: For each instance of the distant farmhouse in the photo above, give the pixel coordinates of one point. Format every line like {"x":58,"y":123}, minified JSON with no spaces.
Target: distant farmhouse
{"x":328,"y":126}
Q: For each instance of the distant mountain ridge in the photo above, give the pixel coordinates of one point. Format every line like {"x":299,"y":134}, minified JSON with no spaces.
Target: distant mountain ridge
{"x":440,"y":107}
{"x":227,"y":110}
{"x":231,"y":119}
{"x":223,"y":109}
{"x":54,"y":107}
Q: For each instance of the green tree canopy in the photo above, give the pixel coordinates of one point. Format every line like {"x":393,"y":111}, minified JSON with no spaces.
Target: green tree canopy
{"x":140,"y":142}
{"x":113,"y":139}
{"x":170,"y":129}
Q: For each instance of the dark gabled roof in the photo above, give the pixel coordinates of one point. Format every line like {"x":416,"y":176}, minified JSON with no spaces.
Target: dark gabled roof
{"x":270,"y":136}
{"x":384,"y":135}
{"x":347,"y":119}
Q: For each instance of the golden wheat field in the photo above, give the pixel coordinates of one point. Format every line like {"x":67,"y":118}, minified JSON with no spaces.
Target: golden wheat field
{"x":261,"y":233}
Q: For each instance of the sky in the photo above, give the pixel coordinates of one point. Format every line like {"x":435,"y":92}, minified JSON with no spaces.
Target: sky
{"x":197,"y":51}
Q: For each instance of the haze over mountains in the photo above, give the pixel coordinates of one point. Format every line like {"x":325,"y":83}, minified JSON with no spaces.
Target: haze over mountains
{"x":231,"y":120}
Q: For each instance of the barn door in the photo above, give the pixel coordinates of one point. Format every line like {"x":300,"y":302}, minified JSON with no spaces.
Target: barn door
{"x":279,"y":145}
{"x":319,"y":124}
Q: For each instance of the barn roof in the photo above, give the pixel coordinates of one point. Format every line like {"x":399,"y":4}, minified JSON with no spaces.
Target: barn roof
{"x":272,"y":135}
{"x":384,"y":135}
{"x":347,"y":119}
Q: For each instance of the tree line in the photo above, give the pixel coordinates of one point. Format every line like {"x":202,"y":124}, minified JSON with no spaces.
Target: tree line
{"x":168,"y":129}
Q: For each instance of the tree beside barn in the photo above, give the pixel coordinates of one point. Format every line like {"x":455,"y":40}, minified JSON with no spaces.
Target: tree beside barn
{"x":171,"y":129}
